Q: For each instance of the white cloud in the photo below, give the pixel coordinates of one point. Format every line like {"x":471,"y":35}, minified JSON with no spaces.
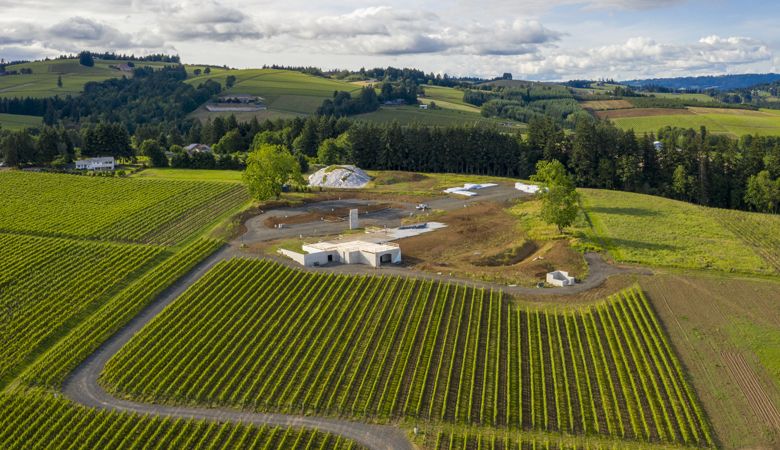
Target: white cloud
{"x":78,"y":33}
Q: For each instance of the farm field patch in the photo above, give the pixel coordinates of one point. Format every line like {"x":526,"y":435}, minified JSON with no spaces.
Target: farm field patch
{"x":411,"y":114}
{"x":231,"y":176}
{"x":642,"y":229}
{"x":285,"y":91}
{"x":121,"y":209}
{"x":725,"y":331}
{"x":603,"y":105}
{"x":19,"y":121}
{"x":642,"y":112}
{"x":43,"y":81}
{"x":734,"y":122}
{"x":387,"y":348}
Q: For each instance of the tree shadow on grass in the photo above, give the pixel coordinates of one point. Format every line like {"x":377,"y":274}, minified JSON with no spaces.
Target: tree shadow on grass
{"x":640,"y":245}
{"x":637,"y":212}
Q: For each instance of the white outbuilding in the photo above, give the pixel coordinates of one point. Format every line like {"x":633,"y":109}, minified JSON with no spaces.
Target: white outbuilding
{"x":560,"y":278}
{"x":351,"y":252}
{"x":100,"y":163}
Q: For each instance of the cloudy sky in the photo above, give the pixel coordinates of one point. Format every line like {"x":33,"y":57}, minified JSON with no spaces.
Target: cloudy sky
{"x":533,"y":39}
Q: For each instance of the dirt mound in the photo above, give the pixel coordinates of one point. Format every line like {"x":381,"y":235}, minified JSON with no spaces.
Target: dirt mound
{"x":350,"y":177}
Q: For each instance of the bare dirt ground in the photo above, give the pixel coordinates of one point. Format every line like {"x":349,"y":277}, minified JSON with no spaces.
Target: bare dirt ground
{"x":737,"y":390}
{"x":483,"y":241}
{"x":641,"y":112}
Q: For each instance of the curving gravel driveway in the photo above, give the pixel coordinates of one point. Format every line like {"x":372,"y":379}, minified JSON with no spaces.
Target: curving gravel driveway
{"x":82,"y":385}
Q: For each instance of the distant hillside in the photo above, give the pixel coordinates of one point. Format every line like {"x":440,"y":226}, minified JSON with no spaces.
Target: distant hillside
{"x":721,"y":82}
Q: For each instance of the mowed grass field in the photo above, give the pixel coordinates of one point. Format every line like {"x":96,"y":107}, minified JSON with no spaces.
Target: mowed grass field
{"x":19,"y":122}
{"x":734,"y":122}
{"x":229,"y":176}
{"x":43,"y":81}
{"x":655,"y":231}
{"x":283,"y":90}
{"x":407,"y":115}
{"x":393,"y":348}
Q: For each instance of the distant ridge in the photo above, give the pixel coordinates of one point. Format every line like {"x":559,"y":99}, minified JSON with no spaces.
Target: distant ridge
{"x":719,"y":82}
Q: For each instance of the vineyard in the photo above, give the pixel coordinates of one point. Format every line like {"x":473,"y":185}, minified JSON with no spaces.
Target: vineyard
{"x":138,"y":210}
{"x":45,"y":282}
{"x":261,"y":336}
{"x":506,"y":441}
{"x":54,"y":365}
{"x":38,"y":419}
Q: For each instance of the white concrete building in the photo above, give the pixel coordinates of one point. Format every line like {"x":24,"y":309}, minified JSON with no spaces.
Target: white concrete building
{"x":560,"y":278}
{"x":350,"y":252}
{"x":100,"y":163}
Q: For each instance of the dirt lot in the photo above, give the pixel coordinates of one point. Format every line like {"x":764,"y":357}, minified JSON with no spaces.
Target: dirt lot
{"x":641,"y":112}
{"x":726,"y":332}
{"x":483,"y":241}
{"x":326,"y":214}
{"x":603,"y":105}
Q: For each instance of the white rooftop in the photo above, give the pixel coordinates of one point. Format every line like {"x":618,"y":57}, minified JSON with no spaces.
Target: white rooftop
{"x":348,"y":246}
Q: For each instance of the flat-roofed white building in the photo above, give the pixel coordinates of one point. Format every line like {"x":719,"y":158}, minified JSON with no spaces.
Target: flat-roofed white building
{"x":100,"y":163}
{"x":348,"y":252}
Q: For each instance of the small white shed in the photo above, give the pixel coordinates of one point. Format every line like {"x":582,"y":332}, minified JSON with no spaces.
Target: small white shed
{"x":560,"y":278}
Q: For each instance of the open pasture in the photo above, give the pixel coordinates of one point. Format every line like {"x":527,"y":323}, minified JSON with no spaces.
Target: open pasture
{"x":117,"y":209}
{"x":43,"y":81}
{"x":261,"y":336}
{"x":656,"y":231}
{"x":734,"y":122}
{"x":283,"y":90}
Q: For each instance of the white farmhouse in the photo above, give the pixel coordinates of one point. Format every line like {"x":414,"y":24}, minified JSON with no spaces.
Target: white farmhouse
{"x":351,"y":252}
{"x":100,"y":163}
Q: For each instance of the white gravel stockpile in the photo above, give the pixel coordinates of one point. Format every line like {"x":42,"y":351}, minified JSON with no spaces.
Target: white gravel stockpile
{"x":340,"y":177}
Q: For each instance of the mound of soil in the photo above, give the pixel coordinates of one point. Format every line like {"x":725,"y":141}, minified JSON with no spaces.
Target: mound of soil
{"x":329,"y":215}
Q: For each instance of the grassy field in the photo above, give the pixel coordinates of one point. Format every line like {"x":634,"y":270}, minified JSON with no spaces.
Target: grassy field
{"x":406,"y":115}
{"x":231,"y":176}
{"x":765,"y":122}
{"x":447,"y":98}
{"x":19,"y":122}
{"x":43,"y":81}
{"x":661,"y":232}
{"x":123,"y":209}
{"x":386,"y":347}
{"x":696,"y":97}
{"x":284,"y":91}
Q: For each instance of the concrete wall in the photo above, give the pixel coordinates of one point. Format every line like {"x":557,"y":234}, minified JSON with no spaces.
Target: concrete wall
{"x":310,"y":259}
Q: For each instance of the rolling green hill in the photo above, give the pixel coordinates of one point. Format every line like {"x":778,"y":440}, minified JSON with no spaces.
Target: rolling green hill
{"x":43,"y":80}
